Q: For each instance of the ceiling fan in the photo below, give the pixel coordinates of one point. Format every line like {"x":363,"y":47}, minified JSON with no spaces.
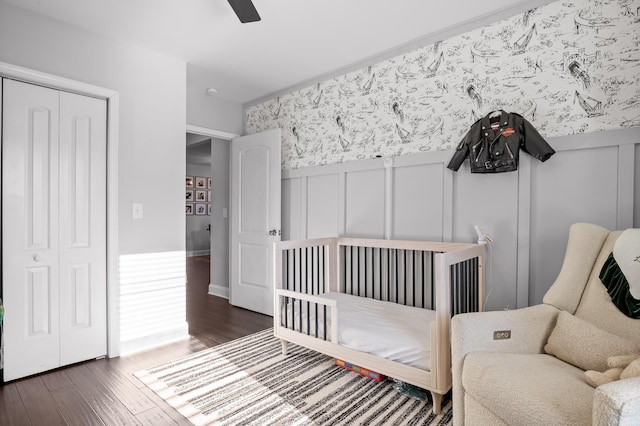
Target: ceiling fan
{"x":245,"y":10}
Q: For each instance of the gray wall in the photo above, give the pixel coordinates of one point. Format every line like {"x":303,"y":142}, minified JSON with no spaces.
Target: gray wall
{"x":636,"y":187}
{"x":528,"y":212}
{"x":151,"y":126}
{"x":212,"y":112}
{"x":219,"y":284}
{"x":151,"y":152}
{"x":414,"y":109}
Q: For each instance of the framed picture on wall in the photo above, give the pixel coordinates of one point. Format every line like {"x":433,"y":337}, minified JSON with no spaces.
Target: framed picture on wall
{"x":201,"y":209}
{"x":189,"y":182}
{"x":189,"y":209}
{"x":201,"y":196}
{"x":209,"y":209}
{"x":201,"y":182}
{"x":209,"y":183}
{"x":189,"y":195}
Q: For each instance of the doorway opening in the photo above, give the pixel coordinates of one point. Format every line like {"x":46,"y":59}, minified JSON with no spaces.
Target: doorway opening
{"x":212,"y":319}
{"x":198,"y":196}
{"x":207,"y":218}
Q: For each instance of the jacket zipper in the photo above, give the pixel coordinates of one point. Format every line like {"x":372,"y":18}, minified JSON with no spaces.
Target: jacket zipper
{"x":509,"y":150}
{"x":481,"y":149}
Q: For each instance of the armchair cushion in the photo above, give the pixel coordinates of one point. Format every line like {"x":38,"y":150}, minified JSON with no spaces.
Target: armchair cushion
{"x":583,"y":248}
{"x":584,"y":345}
{"x":525,"y":389}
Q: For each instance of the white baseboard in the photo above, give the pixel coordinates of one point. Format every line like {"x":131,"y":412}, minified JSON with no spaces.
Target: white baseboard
{"x":198,"y":253}
{"x":218,"y":290}
{"x":148,"y":342}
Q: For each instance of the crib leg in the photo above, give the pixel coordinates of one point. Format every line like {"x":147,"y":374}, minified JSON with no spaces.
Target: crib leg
{"x":437,"y":401}
{"x":284,"y":347}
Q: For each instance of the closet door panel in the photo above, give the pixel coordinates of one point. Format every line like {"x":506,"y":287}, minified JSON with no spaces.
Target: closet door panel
{"x":29,"y":229}
{"x":82,"y":228}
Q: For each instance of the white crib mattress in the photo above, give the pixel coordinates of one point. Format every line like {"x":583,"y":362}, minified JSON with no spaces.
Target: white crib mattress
{"x":389,"y":330}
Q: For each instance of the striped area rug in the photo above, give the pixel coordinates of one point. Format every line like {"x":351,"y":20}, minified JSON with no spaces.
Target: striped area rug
{"x":249,"y":382}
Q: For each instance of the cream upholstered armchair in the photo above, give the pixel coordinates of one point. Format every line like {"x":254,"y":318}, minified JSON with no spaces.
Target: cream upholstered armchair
{"x":536,"y":377}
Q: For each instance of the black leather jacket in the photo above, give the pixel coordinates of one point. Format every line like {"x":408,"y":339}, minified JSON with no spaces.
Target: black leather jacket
{"x":493,"y":146}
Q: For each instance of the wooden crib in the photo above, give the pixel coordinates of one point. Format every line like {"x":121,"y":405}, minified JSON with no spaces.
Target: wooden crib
{"x":426,"y":283}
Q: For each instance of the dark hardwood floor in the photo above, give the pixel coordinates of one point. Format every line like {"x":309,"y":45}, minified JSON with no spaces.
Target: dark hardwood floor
{"x":105,"y":392}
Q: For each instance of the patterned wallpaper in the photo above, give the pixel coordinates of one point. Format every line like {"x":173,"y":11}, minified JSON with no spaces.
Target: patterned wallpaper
{"x":568,"y":67}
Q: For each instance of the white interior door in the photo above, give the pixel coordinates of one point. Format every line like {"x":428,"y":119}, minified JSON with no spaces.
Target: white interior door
{"x":54,"y":228}
{"x":82,"y":228}
{"x":255,"y":218}
{"x":29,"y":229}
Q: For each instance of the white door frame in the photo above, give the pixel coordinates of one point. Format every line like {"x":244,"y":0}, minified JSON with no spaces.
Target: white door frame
{"x":204,"y":131}
{"x":113,"y":98}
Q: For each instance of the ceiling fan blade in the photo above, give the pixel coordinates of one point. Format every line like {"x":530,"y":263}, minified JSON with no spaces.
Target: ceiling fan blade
{"x":245,"y":10}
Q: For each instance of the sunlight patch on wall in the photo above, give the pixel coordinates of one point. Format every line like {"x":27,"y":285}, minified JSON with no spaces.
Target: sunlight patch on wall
{"x":152,"y":299}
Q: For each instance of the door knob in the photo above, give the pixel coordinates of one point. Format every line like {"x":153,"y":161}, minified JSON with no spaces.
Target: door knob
{"x":36,"y":258}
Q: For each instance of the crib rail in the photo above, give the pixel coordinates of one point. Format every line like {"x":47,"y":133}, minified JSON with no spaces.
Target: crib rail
{"x":303,"y":270}
{"x":394,"y":271}
{"x":444,"y":277}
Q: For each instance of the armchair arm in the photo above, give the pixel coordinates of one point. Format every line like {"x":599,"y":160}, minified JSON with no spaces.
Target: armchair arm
{"x":529,"y":327}
{"x":617,"y":403}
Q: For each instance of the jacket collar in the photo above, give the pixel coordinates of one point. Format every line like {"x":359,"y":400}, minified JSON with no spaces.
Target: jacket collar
{"x":486,"y":122}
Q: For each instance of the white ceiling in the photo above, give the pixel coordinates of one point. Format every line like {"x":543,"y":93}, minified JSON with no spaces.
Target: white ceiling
{"x":296,"y":41}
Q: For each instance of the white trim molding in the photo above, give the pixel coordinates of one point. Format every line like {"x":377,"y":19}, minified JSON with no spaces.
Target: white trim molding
{"x":220,"y":134}
{"x":195,"y":253}
{"x":219,"y":290}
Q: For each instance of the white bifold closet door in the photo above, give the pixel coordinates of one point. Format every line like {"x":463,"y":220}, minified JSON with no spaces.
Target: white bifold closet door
{"x":53,"y":228}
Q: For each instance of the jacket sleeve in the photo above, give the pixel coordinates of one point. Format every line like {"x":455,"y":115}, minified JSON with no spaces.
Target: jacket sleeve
{"x":461,"y":153}
{"x":534,"y":144}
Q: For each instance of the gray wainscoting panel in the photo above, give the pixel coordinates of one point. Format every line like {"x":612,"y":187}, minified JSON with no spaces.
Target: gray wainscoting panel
{"x":291,"y":199}
{"x":491,"y":202}
{"x":323,"y":205}
{"x":578,"y":185}
{"x":364,"y":203}
{"x":636,"y":207}
{"x":417,"y":203}
{"x":593,"y":177}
